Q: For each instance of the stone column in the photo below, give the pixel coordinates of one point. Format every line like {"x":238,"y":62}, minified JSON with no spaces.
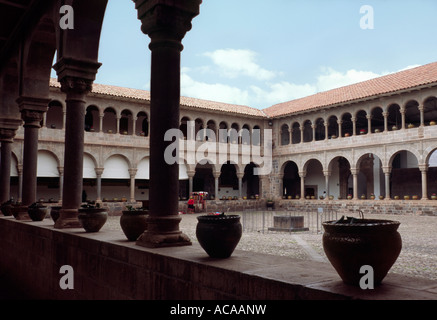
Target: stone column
{"x":387,"y":172}
{"x":20,"y":182}
{"x":101,"y":116}
{"x":216,"y":175}
{"x":191,"y":175}
{"x":369,"y":124}
{"x":422,"y":115}
{"x":402,"y":111}
{"x":44,"y":120}
{"x":385,"y":115}
{"x":339,"y":128}
{"x":32,"y":110}
{"x":424,"y":170}
{"x":240,"y":176}
{"x":132,"y":173}
{"x":314,"y":131}
{"x":354,"y":173}
{"x":327,"y":175}
{"x":134,"y":126}
{"x":118,"y":125}
{"x":61,"y":183}
{"x":6,"y":139}
{"x":302,"y":176}
{"x":76,"y":78}
{"x":64,"y":119}
{"x":166,"y":23}
{"x":326,"y":131}
{"x":99,"y":172}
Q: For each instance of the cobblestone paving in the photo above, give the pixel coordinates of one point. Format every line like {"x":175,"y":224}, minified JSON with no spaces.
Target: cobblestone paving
{"x":418,"y":257}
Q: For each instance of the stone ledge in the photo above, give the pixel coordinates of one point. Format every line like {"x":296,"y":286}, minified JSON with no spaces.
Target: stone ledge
{"x":107,"y":266}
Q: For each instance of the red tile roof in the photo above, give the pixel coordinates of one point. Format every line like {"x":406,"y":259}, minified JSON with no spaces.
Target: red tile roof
{"x":391,"y":83}
{"x":185,"y":101}
{"x":394,"y":82}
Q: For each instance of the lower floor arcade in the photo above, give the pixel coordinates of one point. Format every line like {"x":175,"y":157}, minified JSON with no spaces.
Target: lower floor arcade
{"x":402,"y":177}
{"x":118,"y":179}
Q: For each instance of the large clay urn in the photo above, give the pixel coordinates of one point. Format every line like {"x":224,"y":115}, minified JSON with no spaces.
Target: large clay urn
{"x":92,"y":219}
{"x":6,"y":209}
{"x":38,"y":212}
{"x":219,"y":235}
{"x":133,"y":223}
{"x":353,"y":243}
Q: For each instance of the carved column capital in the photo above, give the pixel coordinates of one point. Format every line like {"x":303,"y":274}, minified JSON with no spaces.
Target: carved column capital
{"x":7,"y":135}
{"x":76,"y":85}
{"x":133,"y":173}
{"x":32,"y":110}
{"x":166,"y":20}
{"x":99,"y":171}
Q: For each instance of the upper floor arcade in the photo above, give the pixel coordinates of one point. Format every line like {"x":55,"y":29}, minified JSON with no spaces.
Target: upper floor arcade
{"x":330,"y":119}
{"x":113,"y":112}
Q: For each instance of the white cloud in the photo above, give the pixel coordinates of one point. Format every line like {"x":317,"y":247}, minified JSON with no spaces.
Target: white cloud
{"x":214,"y":92}
{"x":233,"y":63}
{"x":332,"y":79}
{"x":281,"y":92}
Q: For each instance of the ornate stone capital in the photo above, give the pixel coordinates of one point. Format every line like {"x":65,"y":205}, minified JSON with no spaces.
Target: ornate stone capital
{"x":32,"y":110}
{"x":76,"y":76}
{"x":7,"y":135}
{"x":8,"y":129}
{"x":99,"y":171}
{"x":133,"y":173}
{"x":76,"y":85}
{"x":32,"y":118}
{"x":166,"y":20}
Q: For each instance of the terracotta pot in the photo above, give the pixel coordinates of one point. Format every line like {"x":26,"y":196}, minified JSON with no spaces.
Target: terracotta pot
{"x":349,"y":246}
{"x":219,"y":235}
{"x":6,"y":210}
{"x":55,"y":212}
{"x":39,"y":213}
{"x":21,"y":213}
{"x":92,"y":220}
{"x":133,"y":223}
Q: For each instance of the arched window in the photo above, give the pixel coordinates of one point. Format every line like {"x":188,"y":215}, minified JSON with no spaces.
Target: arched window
{"x":285,"y":135}
{"x":55,"y":115}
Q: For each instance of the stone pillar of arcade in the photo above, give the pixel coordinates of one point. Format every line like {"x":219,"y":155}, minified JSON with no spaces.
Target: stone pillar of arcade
{"x":32,"y":110}
{"x":166,"y":23}
{"x":8,"y":128}
{"x":76,"y":78}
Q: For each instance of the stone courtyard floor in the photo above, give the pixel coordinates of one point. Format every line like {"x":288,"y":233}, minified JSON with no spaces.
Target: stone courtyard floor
{"x":418,"y":257}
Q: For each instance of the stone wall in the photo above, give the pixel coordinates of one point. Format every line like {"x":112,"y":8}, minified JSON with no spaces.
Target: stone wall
{"x":368,"y":207}
{"x":224,"y":205}
{"x":106,"y":266}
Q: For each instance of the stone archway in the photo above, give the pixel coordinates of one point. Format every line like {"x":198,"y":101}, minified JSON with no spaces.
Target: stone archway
{"x":405,"y":175}
{"x":291,"y":180}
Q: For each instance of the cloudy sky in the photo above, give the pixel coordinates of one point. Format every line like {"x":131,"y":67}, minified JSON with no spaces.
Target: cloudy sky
{"x":259,"y":53}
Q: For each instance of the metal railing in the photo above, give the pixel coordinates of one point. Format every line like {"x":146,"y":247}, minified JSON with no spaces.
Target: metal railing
{"x":307,"y":220}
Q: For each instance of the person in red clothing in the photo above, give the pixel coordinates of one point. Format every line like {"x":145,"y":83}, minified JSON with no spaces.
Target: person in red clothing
{"x":191,"y":205}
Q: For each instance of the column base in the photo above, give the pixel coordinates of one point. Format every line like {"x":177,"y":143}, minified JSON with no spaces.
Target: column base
{"x":163,"y":232}
{"x":68,"y":219}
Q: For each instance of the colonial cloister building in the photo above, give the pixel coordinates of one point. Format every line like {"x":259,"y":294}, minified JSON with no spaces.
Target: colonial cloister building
{"x":68,"y":138}
{"x":372,"y":138}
